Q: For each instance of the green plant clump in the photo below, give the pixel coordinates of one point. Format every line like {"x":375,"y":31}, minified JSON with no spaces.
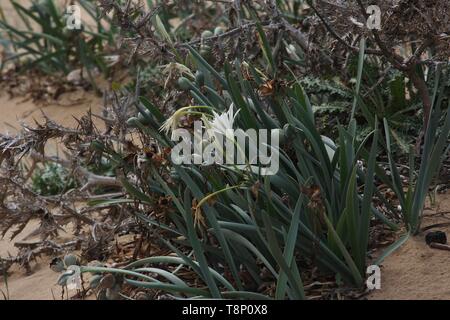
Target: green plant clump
{"x":52,"y":179}
{"x":47,"y":44}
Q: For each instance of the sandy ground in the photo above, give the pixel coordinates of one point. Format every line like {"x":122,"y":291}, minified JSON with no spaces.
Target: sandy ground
{"x":41,"y":284}
{"x":14,"y":111}
{"x":415,"y":271}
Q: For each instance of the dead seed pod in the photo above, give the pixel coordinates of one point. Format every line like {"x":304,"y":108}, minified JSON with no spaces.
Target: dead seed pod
{"x":71,"y":260}
{"x":141,"y":296}
{"x":205,"y":50}
{"x":94,"y":282}
{"x":101,"y":295}
{"x":70,"y":277}
{"x":112,"y":294}
{"x":62,"y":280}
{"x":184,"y":83}
{"x":107,"y":282}
{"x":57,"y":265}
{"x":206,"y":34}
{"x":199,"y":78}
{"x":218,"y":31}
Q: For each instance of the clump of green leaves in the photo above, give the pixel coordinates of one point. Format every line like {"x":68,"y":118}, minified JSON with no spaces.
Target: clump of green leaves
{"x":52,"y":179}
{"x":45,"y":42}
{"x":311,"y":207}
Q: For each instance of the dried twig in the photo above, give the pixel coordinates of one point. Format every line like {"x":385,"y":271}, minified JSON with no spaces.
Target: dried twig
{"x":440,"y":246}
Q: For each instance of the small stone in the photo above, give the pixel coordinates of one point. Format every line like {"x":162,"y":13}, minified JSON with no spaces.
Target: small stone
{"x":436,"y":237}
{"x":75,"y":76}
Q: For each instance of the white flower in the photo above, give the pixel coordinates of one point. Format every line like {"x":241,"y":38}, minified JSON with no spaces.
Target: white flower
{"x":219,"y":129}
{"x":330,"y":147}
{"x":292,"y":52}
{"x":360,"y":164}
{"x":221,"y":124}
{"x":173,"y":122}
{"x":175,"y":67}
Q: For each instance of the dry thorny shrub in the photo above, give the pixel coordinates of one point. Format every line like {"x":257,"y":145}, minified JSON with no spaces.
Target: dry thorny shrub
{"x":94,"y":229}
{"x":101,"y":234}
{"x":328,"y":33}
